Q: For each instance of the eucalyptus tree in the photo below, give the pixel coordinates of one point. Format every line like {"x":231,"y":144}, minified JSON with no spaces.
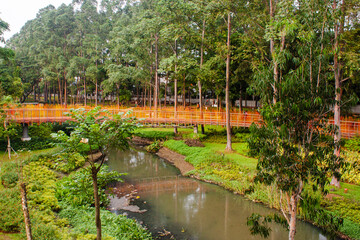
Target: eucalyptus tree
{"x":344,"y":19}
{"x":291,"y":144}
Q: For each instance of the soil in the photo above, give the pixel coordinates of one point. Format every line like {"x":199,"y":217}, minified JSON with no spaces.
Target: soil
{"x":176,"y":159}
{"x":140,"y":141}
{"x":194,"y":143}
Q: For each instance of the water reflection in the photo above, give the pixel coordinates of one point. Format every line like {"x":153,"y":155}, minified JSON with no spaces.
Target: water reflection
{"x":191,"y":209}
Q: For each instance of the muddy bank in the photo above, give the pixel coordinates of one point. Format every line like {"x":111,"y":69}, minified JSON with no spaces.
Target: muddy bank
{"x":176,"y":159}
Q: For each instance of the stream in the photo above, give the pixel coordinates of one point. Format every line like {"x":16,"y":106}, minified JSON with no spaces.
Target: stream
{"x":176,"y":207}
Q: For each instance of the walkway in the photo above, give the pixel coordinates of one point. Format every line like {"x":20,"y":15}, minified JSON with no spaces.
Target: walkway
{"x":166,"y":116}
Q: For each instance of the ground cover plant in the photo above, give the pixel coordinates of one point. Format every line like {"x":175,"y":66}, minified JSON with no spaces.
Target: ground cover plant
{"x":53,"y":197}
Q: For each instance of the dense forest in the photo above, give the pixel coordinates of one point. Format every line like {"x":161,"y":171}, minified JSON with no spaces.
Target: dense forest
{"x":197,"y":49}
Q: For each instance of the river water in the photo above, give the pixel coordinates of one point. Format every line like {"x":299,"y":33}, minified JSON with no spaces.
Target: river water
{"x":189,"y":209}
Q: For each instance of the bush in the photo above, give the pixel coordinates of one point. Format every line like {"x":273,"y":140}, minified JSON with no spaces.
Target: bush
{"x":8,"y":175}
{"x":77,"y":188}
{"x":113,"y":226}
{"x":41,"y":186}
{"x":154,"y":147}
{"x":11,"y":215}
{"x":63,"y":162}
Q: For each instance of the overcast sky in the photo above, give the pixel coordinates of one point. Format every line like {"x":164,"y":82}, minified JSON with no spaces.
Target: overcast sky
{"x":17,"y":12}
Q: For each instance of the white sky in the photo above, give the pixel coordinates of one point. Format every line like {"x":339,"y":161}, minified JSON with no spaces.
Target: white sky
{"x":17,"y":12}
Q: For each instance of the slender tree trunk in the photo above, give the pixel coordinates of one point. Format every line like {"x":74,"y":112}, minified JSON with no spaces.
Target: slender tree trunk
{"x":199,"y":82}
{"x":337,"y":109}
{"x":25,"y":211}
{"x":184,"y":93}
{"x":227,"y":92}
{"x":166,"y":82}
{"x":175,"y":83}
{"x":84,"y":87}
{"x":156,"y":90}
{"x":60,"y":100}
{"x":65,"y":90}
{"x":94,"y":172}
{"x":272,"y":51}
{"x":293,"y":211}
{"x":145,"y":97}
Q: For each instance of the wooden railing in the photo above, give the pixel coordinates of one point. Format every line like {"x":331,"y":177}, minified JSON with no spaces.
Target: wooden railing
{"x":166,"y":116}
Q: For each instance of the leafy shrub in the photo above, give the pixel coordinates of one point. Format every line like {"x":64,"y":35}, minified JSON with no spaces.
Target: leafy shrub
{"x":8,"y":174}
{"x":113,"y":226}
{"x":41,"y":131}
{"x":77,"y":188}
{"x":41,"y":186}
{"x":10,"y":210}
{"x":154,"y":147}
{"x":63,"y":162}
{"x":351,"y":172}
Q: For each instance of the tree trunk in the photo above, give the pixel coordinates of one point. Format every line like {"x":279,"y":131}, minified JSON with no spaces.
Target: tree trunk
{"x":272,"y":51}
{"x":25,"y":211}
{"x":65,"y":89}
{"x":184,"y":93}
{"x":94,"y":172}
{"x":199,"y":82}
{"x":227,"y":100}
{"x":156,"y":90}
{"x":175,"y":83}
{"x":84,"y":87}
{"x":293,"y":210}
{"x":59,"y":92}
{"x":337,"y":111}
{"x":166,"y":82}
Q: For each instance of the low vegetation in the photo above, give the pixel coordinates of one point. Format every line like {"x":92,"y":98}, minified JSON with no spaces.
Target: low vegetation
{"x":61,"y":207}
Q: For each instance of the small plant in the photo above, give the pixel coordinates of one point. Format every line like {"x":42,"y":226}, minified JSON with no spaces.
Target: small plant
{"x":154,"y":147}
{"x":8,"y":175}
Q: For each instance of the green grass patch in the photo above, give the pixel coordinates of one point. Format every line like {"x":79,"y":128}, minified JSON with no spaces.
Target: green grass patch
{"x":155,"y":133}
{"x":22,"y":155}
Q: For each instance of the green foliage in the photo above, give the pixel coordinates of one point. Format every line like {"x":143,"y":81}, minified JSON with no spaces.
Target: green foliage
{"x":11,"y":215}
{"x":154,"y":147}
{"x":101,"y":129}
{"x":77,"y":188}
{"x":351,"y":171}
{"x":41,"y":186}
{"x":347,"y":208}
{"x":63,"y":161}
{"x":9,"y":175}
{"x":353,"y":144}
{"x":154,"y":134}
{"x":114,"y":226}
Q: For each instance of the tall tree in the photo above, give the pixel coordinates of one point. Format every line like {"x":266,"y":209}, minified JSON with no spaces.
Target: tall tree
{"x":97,"y":130}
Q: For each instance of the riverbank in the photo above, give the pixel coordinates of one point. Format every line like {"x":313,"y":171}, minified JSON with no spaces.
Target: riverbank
{"x":235,"y":171}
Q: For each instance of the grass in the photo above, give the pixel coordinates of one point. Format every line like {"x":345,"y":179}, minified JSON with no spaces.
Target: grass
{"x":21,"y":155}
{"x":239,"y":156}
{"x":10,"y":236}
{"x":353,"y":192}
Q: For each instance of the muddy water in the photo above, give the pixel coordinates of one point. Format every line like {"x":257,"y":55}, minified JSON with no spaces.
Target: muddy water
{"x":189,"y":209}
